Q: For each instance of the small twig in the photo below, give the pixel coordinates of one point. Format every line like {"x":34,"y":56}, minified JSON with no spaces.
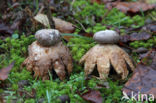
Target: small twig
{"x":51,"y":21}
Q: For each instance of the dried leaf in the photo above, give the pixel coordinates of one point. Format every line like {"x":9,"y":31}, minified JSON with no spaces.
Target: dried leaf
{"x":5,"y":72}
{"x":61,"y":25}
{"x":92,"y":96}
{"x":133,"y":7}
{"x":135,"y":36}
{"x":152,"y":27}
{"x":43,"y":19}
{"x":140,"y":36}
{"x":144,"y":79}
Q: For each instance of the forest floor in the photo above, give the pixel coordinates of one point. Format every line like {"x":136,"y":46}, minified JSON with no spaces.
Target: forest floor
{"x":78,"y":21}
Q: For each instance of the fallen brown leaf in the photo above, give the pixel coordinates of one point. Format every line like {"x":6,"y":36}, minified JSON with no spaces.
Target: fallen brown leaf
{"x":92,"y":96}
{"x":61,"y":25}
{"x":4,"y":72}
{"x":133,"y":7}
{"x":143,"y":80}
{"x":140,"y":36}
{"x":135,"y":36}
{"x":151,"y":27}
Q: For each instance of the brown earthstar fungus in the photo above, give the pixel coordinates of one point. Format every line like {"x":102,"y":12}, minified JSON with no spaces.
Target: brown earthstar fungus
{"x":48,"y":53}
{"x":106,"y":54}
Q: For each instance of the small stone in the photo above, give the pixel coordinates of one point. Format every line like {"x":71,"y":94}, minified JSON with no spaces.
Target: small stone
{"x":48,"y":37}
{"x":106,"y":36}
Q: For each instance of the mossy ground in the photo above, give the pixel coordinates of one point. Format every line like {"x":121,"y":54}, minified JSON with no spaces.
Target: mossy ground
{"x":15,"y":49}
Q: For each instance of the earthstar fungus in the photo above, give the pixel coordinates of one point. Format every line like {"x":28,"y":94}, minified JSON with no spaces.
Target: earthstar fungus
{"x":48,"y":53}
{"x":106,"y":54}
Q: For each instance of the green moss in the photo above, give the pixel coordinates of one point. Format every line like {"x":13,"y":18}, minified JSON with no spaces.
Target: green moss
{"x":50,"y":90}
{"x":23,"y":75}
{"x":53,"y":89}
{"x":113,"y":94}
{"x":15,"y":87}
{"x":146,"y":44}
{"x":79,"y":46}
{"x":30,"y":101}
{"x":16,"y":50}
{"x":93,"y":16}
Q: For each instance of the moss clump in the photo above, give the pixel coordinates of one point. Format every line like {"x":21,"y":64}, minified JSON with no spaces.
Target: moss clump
{"x":146,"y":44}
{"x":16,"y":50}
{"x":97,"y":27}
{"x":54,"y":89}
{"x":113,"y":94}
{"x":93,"y":16}
{"x":29,"y":101}
{"x":79,"y":46}
{"x":50,"y":90}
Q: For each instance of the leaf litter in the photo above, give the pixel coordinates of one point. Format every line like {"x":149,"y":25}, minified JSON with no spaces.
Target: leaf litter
{"x":143,"y":79}
{"x":4,"y":72}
